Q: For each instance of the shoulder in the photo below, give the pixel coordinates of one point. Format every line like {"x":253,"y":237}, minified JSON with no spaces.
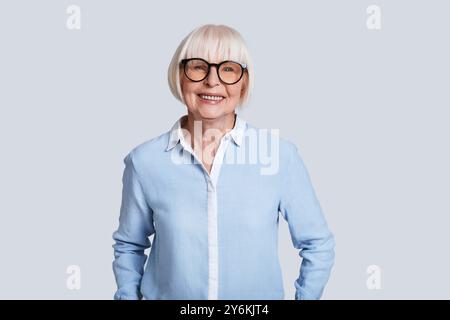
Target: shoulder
{"x":149,"y":151}
{"x":275,"y":141}
{"x":272,"y":149}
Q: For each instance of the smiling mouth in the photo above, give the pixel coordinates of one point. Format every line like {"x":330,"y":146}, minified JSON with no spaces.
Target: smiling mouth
{"x":210,"y":98}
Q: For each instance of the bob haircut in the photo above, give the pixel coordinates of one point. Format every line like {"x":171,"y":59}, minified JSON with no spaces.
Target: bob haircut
{"x":209,"y":42}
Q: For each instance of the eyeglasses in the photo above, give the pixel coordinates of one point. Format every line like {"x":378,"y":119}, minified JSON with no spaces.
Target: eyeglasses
{"x":197,"y":69}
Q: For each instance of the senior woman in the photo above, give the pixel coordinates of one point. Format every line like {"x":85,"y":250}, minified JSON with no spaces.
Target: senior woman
{"x":215,"y":220}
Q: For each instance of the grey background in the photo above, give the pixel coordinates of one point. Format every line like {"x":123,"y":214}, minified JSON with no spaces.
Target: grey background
{"x":368,"y":110}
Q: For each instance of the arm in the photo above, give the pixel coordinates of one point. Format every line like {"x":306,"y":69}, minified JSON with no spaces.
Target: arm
{"x":132,"y":236}
{"x":308,"y":228}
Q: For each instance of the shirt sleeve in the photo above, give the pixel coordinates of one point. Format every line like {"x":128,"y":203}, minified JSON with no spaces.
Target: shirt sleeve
{"x":132,"y":236}
{"x":310,"y":234}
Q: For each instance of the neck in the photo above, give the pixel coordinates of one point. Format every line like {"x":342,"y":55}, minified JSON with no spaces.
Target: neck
{"x":204,"y":132}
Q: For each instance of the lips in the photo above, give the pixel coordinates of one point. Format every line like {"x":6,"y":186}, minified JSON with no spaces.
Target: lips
{"x":211,"y":94}
{"x":211,"y":101}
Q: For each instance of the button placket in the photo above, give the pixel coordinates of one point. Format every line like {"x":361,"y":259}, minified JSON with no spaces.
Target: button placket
{"x":212,"y":214}
{"x":211,"y":186}
{"x":213,"y":254}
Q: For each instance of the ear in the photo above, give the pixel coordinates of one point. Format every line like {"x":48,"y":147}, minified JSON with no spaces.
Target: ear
{"x":244,"y":86}
{"x":244,"y":82}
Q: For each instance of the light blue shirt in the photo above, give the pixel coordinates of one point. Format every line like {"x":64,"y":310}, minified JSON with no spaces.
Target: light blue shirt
{"x":216,"y":234}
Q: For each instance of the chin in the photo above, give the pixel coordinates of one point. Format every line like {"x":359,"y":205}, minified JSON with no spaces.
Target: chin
{"x":210,"y":114}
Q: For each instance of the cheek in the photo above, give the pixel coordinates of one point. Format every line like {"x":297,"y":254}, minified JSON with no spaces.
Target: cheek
{"x":188,"y":90}
{"x":187,"y":87}
{"x":235,"y":92}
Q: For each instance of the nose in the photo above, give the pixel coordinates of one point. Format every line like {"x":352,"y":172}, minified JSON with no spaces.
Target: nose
{"x":212,"y":79}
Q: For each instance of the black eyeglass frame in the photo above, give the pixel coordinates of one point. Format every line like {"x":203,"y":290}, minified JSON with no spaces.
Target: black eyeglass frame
{"x":217,"y":65}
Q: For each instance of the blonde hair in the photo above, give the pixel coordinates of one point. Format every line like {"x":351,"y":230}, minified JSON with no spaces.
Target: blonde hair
{"x":209,"y":42}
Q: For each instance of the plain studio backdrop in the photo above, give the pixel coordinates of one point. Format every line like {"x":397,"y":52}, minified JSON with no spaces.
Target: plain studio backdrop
{"x":367,"y":107}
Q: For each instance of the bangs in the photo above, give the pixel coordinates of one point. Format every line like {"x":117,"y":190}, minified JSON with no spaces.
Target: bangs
{"x":215,"y":45}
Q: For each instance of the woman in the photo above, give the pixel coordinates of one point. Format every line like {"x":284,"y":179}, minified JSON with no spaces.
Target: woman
{"x":214,"y":212}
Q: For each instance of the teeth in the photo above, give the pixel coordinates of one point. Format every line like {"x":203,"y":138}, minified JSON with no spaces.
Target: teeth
{"x":211,"y":97}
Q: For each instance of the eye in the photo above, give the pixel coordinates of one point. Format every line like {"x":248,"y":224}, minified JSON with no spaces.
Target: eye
{"x":200,"y":68}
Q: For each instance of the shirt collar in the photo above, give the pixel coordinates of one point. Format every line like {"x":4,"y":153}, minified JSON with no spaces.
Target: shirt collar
{"x":237,"y":133}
